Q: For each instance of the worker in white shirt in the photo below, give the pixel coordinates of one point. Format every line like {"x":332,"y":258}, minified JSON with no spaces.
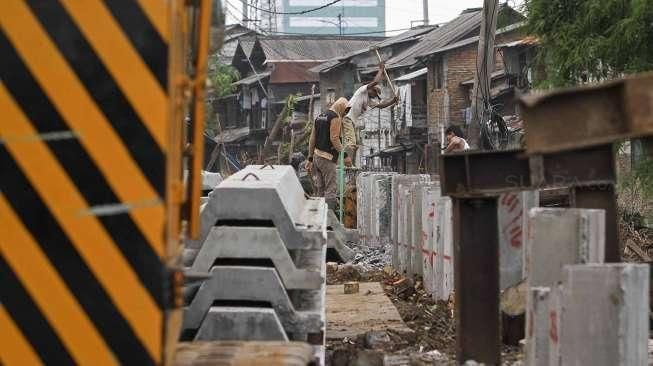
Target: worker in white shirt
{"x":362,"y":100}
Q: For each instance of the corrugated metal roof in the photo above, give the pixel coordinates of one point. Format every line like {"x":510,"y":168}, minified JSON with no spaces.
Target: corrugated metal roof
{"x":413,"y":75}
{"x":317,"y":48}
{"x":252,"y":78}
{"x":526,"y":41}
{"x":412,"y":35}
{"x":247,"y":44}
{"x":450,"y":32}
{"x":471,"y":40}
{"x":293,"y":72}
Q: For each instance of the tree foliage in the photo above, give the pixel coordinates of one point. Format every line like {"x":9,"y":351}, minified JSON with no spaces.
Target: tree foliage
{"x":589,"y":40}
{"x":222,"y":76}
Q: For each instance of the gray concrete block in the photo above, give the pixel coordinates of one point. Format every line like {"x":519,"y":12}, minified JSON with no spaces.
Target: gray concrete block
{"x":397,"y":182}
{"x":444,"y":252}
{"x":241,"y":324}
{"x":558,"y":237}
{"x":512,"y":215}
{"x":262,"y":195}
{"x":301,"y":311}
{"x":430,"y":196}
{"x":305,"y":269}
{"x":603,"y":315}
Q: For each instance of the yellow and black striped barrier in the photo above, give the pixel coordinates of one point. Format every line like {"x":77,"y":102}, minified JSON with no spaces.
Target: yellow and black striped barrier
{"x":85,"y":138}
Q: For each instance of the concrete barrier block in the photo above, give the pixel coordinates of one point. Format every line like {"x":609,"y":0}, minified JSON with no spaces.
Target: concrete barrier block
{"x":397,"y":181}
{"x":558,"y":237}
{"x":443,"y":258}
{"x":603,"y":315}
{"x":417,"y":233}
{"x":429,"y":237}
{"x":512,"y":214}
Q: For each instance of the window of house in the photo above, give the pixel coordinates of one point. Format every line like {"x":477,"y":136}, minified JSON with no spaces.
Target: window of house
{"x":330,"y":96}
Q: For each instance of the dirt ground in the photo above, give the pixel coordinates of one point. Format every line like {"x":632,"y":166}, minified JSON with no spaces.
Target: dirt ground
{"x":432,"y":341}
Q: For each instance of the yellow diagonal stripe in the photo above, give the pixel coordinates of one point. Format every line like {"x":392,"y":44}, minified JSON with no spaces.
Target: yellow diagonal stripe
{"x":50,"y":293}
{"x":124,"y":63}
{"x":15,"y":349}
{"x":84,"y":117}
{"x":157,"y":12}
{"x":88,"y":236}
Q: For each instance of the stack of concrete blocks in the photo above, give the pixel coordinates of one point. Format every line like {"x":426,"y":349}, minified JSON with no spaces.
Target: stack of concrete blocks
{"x":599,"y":315}
{"x":399,"y":182}
{"x":373,"y":207}
{"x":262,"y":249}
{"x":512,"y":214}
{"x":556,"y":238}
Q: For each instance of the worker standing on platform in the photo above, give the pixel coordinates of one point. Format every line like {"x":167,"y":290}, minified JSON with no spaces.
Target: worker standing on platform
{"x":323,"y":149}
{"x":358,"y":104}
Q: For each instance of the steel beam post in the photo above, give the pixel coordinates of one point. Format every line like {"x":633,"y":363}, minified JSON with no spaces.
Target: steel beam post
{"x":476,"y":269}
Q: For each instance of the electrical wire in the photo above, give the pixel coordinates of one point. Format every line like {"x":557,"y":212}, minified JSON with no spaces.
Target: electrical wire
{"x":292,"y":12}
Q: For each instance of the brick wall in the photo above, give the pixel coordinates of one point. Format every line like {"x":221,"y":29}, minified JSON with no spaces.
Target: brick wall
{"x":446,"y":105}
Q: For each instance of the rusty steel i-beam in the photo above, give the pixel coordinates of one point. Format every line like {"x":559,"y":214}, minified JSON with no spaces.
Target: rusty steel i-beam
{"x":570,"y":136}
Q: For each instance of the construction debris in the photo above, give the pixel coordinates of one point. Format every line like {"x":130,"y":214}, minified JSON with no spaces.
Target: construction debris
{"x":350,"y":287}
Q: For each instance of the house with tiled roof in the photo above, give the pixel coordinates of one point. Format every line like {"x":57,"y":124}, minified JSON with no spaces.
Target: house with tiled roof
{"x":271,"y":69}
{"x":401,"y":137}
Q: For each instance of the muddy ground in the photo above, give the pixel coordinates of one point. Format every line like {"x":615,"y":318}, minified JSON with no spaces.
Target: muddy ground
{"x":432,"y":341}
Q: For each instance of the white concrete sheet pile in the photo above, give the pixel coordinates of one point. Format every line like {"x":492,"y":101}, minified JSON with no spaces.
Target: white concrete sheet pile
{"x":561,"y":236}
{"x":602,"y":316}
{"x":374,"y":207}
{"x":397,"y":181}
{"x":444,"y":254}
{"x":512,"y":213}
{"x":404,"y":229}
{"x":537,"y":327}
{"x":430,"y":196}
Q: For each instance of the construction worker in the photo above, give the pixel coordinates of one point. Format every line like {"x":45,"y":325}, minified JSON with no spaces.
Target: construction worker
{"x":455,"y":140}
{"x":358,"y":104}
{"x":324,"y":147}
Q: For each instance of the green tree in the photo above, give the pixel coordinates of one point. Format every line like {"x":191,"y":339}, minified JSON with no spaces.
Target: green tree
{"x":222,"y":77}
{"x":588,"y":40}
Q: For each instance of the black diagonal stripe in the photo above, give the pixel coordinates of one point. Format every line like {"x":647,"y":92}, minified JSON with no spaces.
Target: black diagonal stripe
{"x":143,"y":37}
{"x":28,"y":318}
{"x":82,"y":170}
{"x":104,"y":90}
{"x":97,"y":304}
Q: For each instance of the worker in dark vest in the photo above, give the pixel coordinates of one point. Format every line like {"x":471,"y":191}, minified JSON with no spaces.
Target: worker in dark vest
{"x":323,"y":149}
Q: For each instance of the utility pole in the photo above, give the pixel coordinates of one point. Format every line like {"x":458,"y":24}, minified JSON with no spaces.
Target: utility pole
{"x":425,"y":6}
{"x":245,"y":9}
{"x":484,"y":67}
{"x":340,"y":23}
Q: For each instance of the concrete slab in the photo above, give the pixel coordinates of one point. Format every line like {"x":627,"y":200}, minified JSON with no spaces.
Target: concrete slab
{"x":241,"y":324}
{"x":444,"y":254}
{"x":602,"y":315}
{"x":429,"y":237}
{"x":562,"y":236}
{"x":537,"y":327}
{"x":353,"y":314}
{"x":512,"y":214}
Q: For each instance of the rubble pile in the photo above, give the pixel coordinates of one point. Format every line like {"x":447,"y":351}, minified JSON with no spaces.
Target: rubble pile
{"x":372,"y":257}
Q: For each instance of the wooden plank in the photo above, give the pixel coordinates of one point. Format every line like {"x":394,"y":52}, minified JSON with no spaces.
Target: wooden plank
{"x":226,"y":353}
{"x":353,"y":314}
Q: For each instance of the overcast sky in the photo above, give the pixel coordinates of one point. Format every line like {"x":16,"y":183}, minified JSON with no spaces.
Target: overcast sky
{"x":400,"y":13}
